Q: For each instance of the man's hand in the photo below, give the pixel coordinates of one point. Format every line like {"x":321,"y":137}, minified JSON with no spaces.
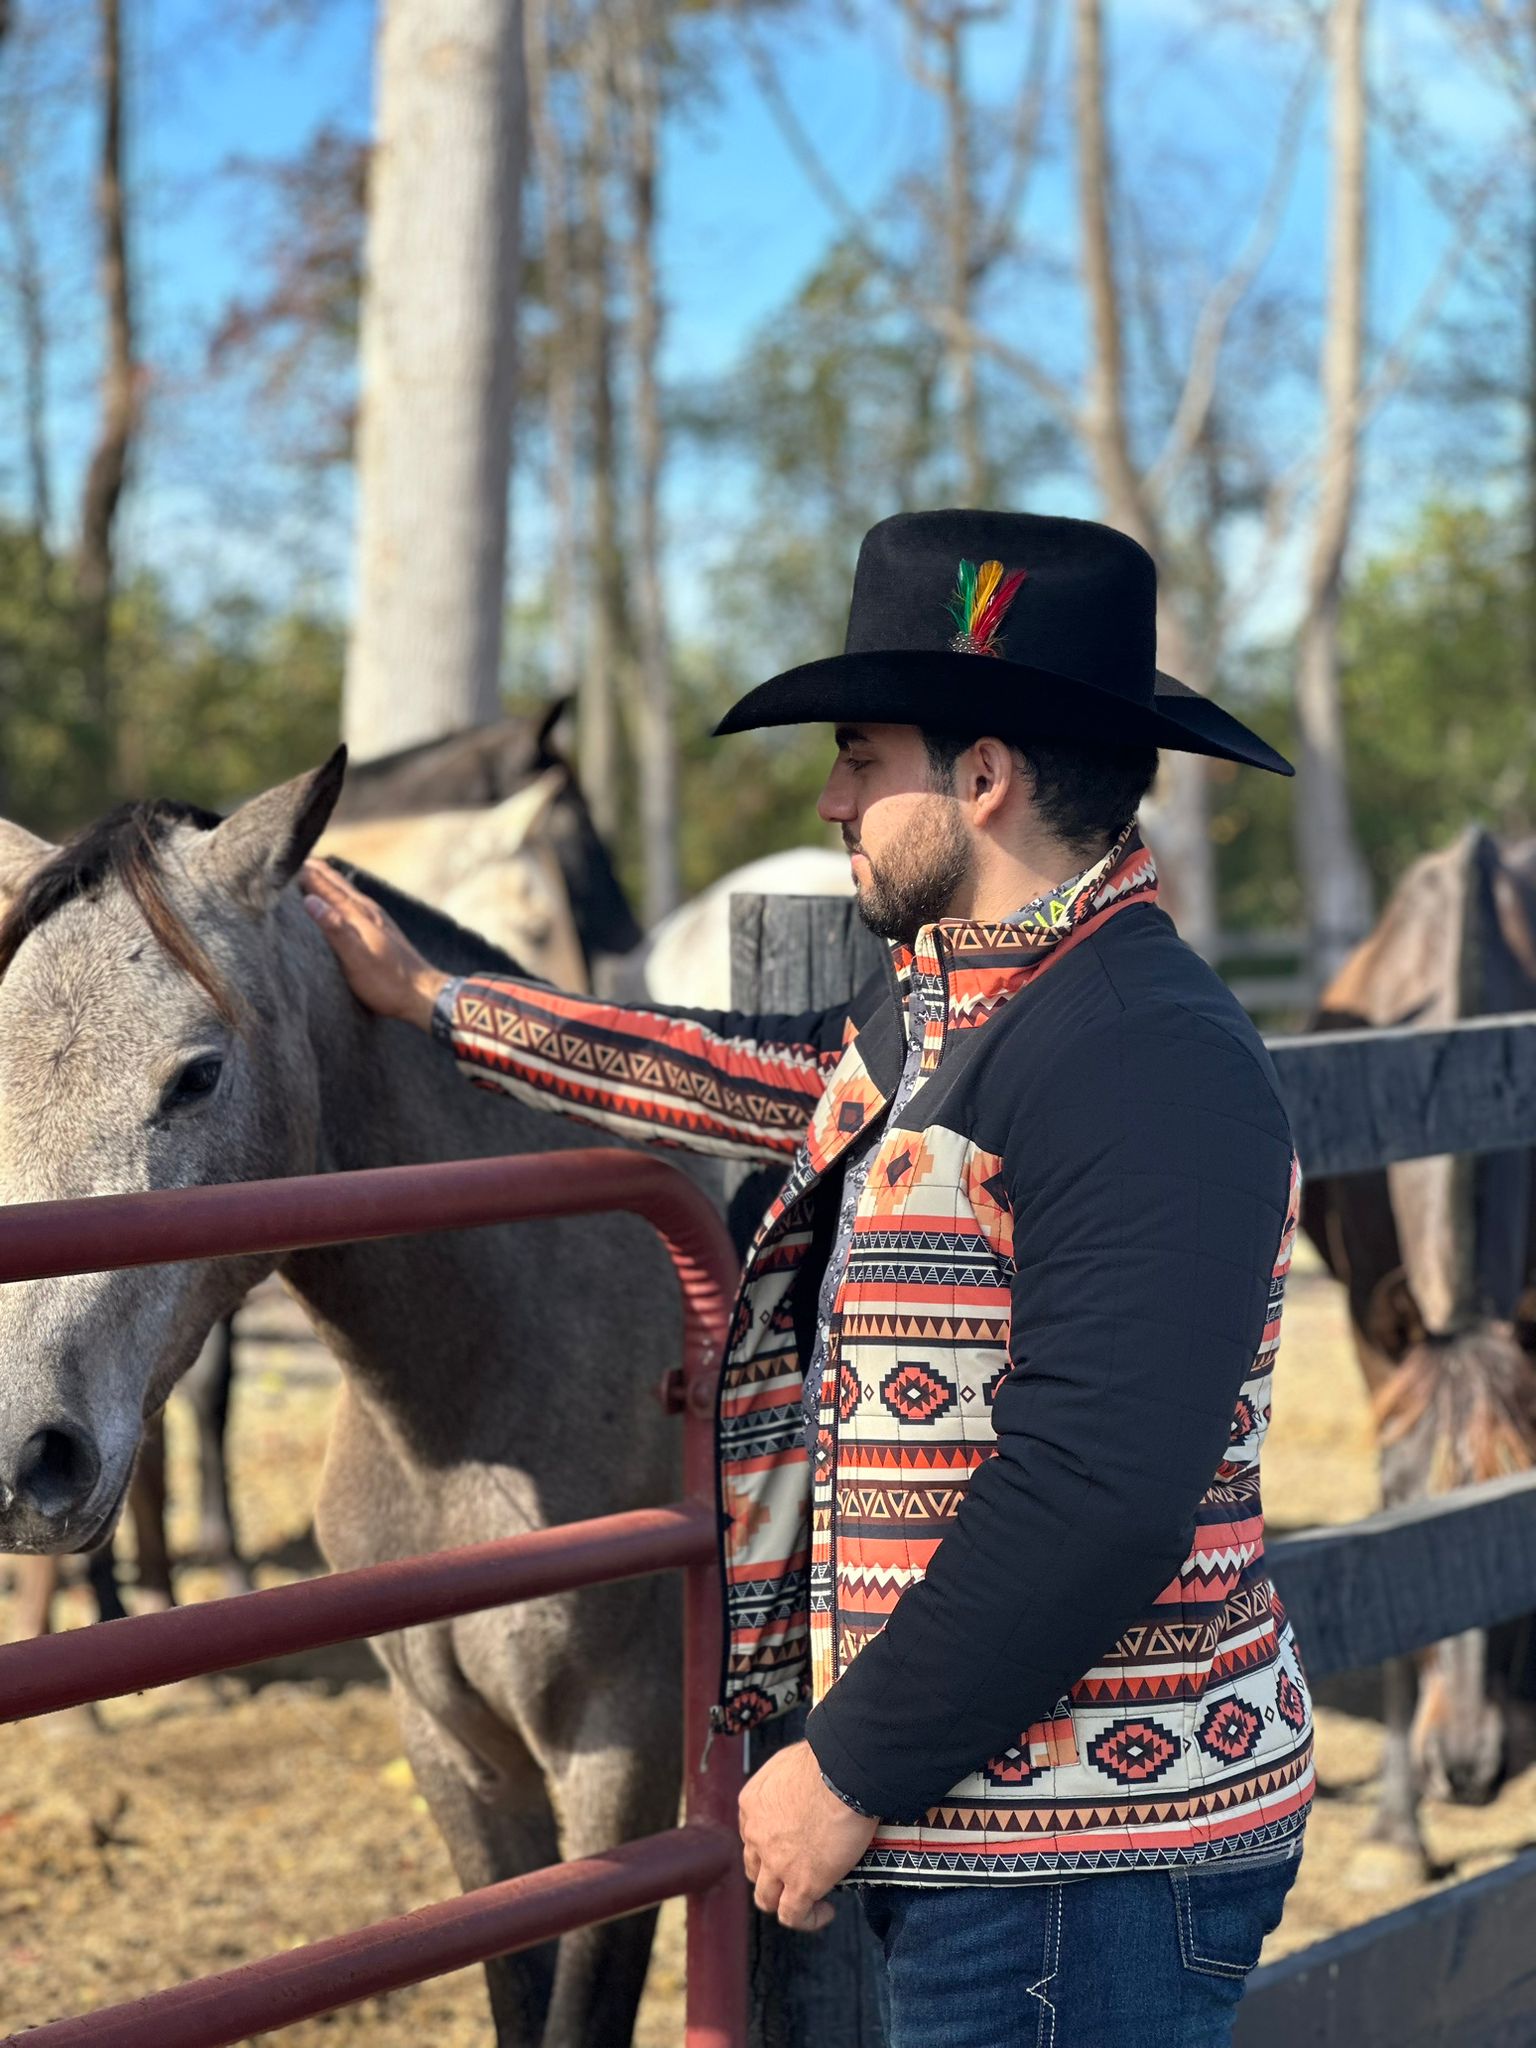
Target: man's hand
{"x":383,"y":969}
{"x":798,"y":1839}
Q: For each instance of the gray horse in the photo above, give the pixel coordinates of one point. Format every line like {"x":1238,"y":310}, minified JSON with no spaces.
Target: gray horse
{"x":169,"y":1017}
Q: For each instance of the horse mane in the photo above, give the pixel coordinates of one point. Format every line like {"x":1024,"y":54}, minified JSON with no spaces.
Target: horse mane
{"x":1468,"y":1403}
{"x":124,"y":847}
{"x":484,"y":765}
{"x":451,"y":946}
{"x":127,"y":845}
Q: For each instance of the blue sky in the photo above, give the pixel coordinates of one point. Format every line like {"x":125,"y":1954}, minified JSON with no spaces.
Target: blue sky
{"x":742,"y":227}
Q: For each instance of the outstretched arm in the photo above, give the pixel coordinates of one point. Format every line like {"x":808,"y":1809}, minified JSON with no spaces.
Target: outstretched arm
{"x":714,"y":1081}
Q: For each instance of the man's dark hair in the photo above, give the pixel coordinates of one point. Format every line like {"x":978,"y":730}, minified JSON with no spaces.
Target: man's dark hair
{"x":1086,"y":794}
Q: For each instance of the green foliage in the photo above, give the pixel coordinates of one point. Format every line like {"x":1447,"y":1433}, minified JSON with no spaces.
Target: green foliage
{"x":210,"y":708}
{"x":747,"y":795}
{"x":48,"y":748}
{"x":217,"y":708}
{"x":1437,"y":637}
{"x":1438,"y":686}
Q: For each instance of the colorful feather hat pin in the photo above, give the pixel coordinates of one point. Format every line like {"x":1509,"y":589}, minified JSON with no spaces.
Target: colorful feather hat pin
{"x":980,"y":604}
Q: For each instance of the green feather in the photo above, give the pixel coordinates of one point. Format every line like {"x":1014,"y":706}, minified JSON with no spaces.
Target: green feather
{"x":963,"y":604}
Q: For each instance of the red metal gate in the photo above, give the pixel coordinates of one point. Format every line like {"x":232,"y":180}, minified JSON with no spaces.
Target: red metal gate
{"x":700,"y":1859}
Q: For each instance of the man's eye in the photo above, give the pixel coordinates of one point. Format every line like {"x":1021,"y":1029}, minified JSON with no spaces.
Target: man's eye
{"x":195,"y":1083}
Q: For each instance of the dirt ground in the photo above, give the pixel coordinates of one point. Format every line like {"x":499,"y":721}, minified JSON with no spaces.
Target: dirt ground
{"x":212,"y":1822}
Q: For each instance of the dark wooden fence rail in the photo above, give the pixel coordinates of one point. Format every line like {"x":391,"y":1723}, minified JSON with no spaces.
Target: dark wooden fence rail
{"x":1362,"y":1592}
{"x":1455,"y":1970}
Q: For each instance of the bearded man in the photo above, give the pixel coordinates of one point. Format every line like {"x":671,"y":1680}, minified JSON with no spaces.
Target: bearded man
{"x":991,"y":1413}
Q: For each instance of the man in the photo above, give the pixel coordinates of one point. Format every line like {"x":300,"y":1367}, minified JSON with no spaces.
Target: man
{"x":1024,"y":1281}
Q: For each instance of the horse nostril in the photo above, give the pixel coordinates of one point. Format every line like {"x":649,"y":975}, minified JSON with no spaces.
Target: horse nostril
{"x":1473,"y":1783}
{"x":58,"y":1471}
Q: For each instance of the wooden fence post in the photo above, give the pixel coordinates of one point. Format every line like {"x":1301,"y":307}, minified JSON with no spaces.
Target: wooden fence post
{"x":791,"y":953}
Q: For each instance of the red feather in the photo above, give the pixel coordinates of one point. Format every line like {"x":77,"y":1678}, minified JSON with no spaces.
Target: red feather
{"x":996,"y":609}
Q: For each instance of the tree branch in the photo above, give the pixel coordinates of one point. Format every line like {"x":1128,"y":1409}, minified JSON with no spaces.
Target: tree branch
{"x":1216,"y":314}
{"x":1025,"y":147}
{"x":942,"y":319}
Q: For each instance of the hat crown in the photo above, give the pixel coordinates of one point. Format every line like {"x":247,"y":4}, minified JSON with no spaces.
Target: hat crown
{"x":1087,"y":605}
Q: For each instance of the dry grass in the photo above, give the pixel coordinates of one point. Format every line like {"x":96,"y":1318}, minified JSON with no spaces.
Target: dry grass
{"x":213,"y":1822}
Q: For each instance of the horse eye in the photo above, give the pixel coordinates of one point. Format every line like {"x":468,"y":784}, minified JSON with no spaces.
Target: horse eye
{"x":195,"y":1083}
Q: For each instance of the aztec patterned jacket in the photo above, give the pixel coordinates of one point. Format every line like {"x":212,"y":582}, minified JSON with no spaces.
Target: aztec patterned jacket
{"x":1024,"y":1584}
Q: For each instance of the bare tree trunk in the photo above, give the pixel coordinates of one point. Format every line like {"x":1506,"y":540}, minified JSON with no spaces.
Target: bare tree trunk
{"x":598,"y":755}
{"x":108,"y":466}
{"x":34,"y":372}
{"x":656,"y":739}
{"x":1334,"y":875}
{"x":1180,"y":831}
{"x":32,"y":318}
{"x":957,"y":226}
{"x":438,"y":372}
{"x":564,"y":345}
{"x":959,"y":229}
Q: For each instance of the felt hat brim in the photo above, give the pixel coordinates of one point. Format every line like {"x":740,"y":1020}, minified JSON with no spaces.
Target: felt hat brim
{"x":975,"y":693}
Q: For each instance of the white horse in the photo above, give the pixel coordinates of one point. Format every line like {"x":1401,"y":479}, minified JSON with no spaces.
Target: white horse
{"x":687,"y":959}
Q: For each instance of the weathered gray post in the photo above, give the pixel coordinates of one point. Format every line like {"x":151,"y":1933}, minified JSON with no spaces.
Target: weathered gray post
{"x":791,"y":953}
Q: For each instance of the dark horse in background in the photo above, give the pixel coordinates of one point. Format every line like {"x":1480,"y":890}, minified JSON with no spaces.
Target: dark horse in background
{"x":466,"y":771}
{"x":470,"y":771}
{"x":1439,"y":1260}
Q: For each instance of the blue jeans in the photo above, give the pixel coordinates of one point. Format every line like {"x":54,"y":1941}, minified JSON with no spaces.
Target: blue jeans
{"x":1126,"y":1959}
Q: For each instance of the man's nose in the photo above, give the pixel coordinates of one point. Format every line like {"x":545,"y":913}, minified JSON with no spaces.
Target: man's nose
{"x":54,"y":1473}
{"x":835,"y":805}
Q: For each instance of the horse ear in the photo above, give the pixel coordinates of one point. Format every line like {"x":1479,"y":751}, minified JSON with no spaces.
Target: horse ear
{"x":258,"y":851}
{"x":513,"y":822}
{"x":549,"y":725}
{"x":22,"y":853}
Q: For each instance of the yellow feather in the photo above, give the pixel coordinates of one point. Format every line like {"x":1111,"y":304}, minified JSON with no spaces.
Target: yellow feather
{"x":988,"y":576}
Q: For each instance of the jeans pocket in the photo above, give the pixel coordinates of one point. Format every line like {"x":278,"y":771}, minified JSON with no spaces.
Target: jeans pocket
{"x":1224,"y":1913}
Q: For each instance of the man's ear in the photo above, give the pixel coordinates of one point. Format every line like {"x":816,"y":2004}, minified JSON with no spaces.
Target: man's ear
{"x":22,"y":853}
{"x":255,"y":853}
{"x":996,"y":768}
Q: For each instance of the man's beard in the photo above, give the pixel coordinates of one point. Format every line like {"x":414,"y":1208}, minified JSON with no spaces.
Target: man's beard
{"x":917,"y":880}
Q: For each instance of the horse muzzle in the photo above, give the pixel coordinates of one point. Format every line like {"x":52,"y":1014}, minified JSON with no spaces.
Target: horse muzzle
{"x":50,"y":1492}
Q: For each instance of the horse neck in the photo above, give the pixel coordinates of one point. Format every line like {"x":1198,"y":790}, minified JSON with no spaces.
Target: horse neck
{"x":389,"y":1096}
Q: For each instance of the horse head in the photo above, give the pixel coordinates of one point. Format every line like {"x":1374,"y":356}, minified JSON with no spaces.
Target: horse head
{"x":483,"y":771}
{"x":154,"y":1033}
{"x":1455,"y":1411}
{"x":495,"y":871}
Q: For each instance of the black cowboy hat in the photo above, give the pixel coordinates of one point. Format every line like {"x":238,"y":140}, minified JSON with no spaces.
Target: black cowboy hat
{"x":1009,"y":623}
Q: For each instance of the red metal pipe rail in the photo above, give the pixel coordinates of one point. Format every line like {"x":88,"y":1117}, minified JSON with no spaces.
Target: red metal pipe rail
{"x":103,"y":1233}
{"x":280,"y":1990}
{"x":220,"y":1635}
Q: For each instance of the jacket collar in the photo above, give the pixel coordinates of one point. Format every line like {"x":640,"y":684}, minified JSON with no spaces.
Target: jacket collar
{"x":960,"y":971}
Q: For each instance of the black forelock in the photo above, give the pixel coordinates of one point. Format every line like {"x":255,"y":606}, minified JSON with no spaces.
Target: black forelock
{"x":122,"y":846}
